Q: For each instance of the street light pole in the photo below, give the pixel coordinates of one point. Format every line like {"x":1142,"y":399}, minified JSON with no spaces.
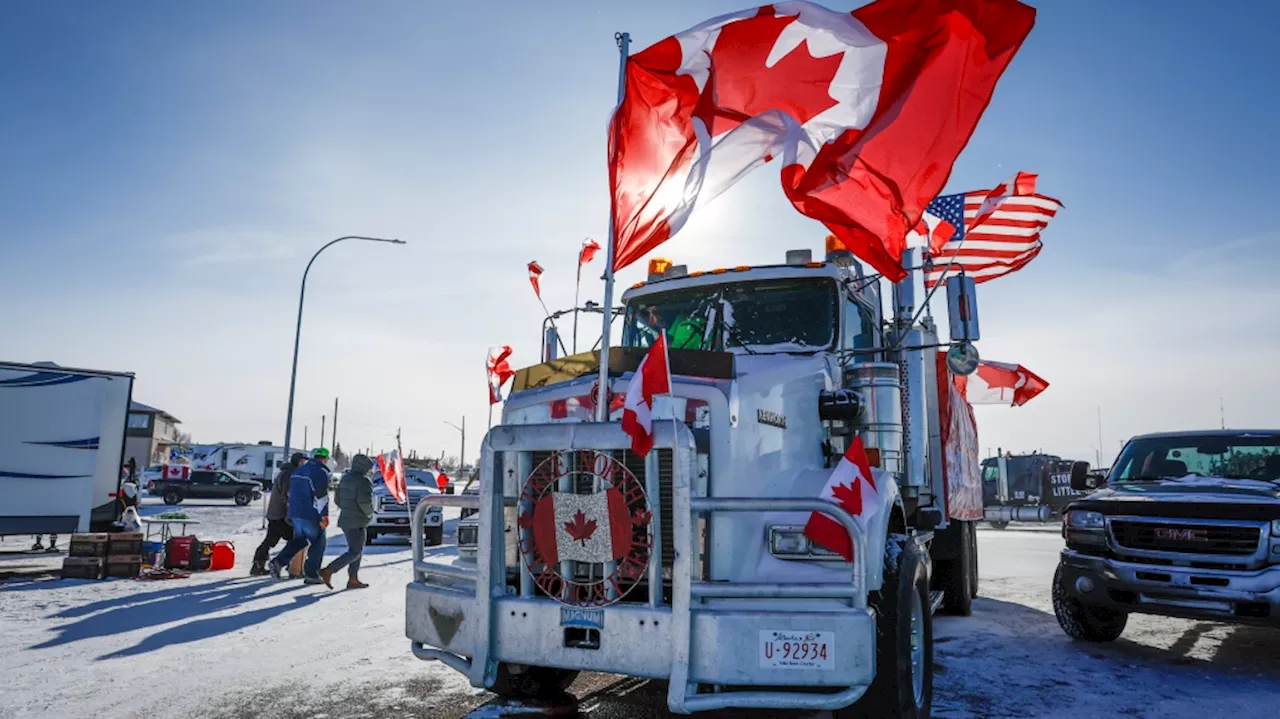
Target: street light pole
{"x":463,"y":449}
{"x":297,"y":335}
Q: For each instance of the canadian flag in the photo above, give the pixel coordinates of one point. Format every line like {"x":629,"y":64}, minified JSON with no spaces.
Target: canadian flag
{"x":652,"y":377}
{"x":852,"y":486}
{"x":588,"y":252}
{"x":593,"y":528}
{"x":499,"y":371}
{"x":867,"y":110}
{"x":177,"y":471}
{"x":535,"y":270}
{"x":392,"y":468}
{"x":1000,"y":383}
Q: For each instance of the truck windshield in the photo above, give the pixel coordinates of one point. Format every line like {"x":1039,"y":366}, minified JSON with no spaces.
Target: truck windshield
{"x":789,"y":315}
{"x":1232,"y":456}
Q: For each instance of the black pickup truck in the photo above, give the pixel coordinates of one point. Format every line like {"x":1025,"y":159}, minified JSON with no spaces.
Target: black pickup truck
{"x":206,"y":484}
{"x":1185,"y":524}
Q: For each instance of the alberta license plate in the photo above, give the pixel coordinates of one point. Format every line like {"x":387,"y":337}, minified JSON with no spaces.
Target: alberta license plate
{"x":797,"y":650}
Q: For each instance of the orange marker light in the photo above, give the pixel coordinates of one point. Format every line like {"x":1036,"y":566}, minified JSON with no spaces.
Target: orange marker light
{"x":835,"y":245}
{"x":719,"y":271}
{"x":659,"y":265}
{"x":742,"y":268}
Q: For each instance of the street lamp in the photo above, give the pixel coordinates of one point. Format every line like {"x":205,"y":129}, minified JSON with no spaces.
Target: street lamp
{"x":293,"y":376}
{"x":463,"y":450}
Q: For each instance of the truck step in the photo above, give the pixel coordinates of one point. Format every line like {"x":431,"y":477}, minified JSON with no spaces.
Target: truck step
{"x":935,"y":600}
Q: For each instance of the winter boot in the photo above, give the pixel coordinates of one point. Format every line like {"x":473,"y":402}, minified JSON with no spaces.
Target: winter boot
{"x":258,"y":570}
{"x":326,"y":576}
{"x":353,"y":582}
{"x":37,"y":546}
{"x":274,"y":568}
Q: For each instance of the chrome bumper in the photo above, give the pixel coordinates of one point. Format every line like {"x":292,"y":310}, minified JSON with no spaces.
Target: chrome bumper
{"x":466,"y":616}
{"x":1241,"y":596}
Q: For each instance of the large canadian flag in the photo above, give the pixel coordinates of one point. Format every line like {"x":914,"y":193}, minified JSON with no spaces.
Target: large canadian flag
{"x":593,"y":528}
{"x":392,"y":468}
{"x":867,"y":111}
{"x":852,"y":486}
{"x":652,"y":377}
{"x":1000,"y":383}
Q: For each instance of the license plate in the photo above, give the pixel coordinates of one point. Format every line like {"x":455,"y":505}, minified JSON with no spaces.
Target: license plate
{"x":797,"y":650}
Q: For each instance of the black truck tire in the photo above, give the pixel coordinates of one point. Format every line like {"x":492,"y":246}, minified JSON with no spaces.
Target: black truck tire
{"x":998,"y":525}
{"x":903,"y":685}
{"x":957,"y":575}
{"x":172,"y":496}
{"x":1081,"y":621}
{"x":544,"y":683}
{"x":243,"y":498}
{"x":433,"y":536}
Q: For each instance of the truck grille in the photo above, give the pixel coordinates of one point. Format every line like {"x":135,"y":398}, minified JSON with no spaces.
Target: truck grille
{"x":1185,"y":538}
{"x":387,"y":503}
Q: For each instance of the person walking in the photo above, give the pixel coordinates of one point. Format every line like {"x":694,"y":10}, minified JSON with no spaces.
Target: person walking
{"x":309,"y":512}
{"x":278,"y":526}
{"x":355,"y":506}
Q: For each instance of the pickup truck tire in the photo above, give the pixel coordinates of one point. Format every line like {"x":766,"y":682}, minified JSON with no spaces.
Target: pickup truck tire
{"x":369,"y":536}
{"x":903,"y":685}
{"x":957,"y":575}
{"x":998,"y":525}
{"x":172,"y":496}
{"x":243,"y":498}
{"x":433,"y":536}
{"x":532,"y":683}
{"x":1081,"y":621}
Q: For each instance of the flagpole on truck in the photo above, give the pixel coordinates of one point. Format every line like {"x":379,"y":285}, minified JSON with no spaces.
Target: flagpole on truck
{"x":602,"y":400}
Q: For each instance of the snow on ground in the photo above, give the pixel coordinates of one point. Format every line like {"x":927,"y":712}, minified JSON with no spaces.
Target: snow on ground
{"x":224,"y":645}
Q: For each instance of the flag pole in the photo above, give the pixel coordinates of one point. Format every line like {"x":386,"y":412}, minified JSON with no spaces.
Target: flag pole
{"x":602,"y":400}
{"x":550,"y":319}
{"x":577,"y":287}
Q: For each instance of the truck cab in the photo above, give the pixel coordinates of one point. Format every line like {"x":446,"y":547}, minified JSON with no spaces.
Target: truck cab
{"x":1184,"y":524}
{"x":712,"y":583}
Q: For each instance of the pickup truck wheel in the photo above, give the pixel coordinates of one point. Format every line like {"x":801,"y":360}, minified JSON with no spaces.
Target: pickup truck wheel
{"x":243,"y":498}
{"x":172,"y":496}
{"x":434,"y":536}
{"x":532,"y":683}
{"x":903,"y":685}
{"x":999,"y":525}
{"x":957,"y":574}
{"x":1081,"y":621}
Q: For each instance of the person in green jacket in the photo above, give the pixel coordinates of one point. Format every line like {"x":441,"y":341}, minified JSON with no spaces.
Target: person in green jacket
{"x":355,"y":506}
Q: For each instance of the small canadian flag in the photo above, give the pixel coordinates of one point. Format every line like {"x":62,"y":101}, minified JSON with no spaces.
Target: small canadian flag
{"x":852,"y":486}
{"x":177,"y":471}
{"x":652,"y":377}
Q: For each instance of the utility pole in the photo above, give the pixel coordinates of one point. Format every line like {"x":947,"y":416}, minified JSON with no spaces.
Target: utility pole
{"x":1222,"y":413}
{"x":321,"y":430}
{"x":1099,"y":436}
{"x":334,"y":433}
{"x":304,"y":438}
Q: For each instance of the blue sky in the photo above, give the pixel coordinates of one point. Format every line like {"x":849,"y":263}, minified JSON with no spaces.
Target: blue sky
{"x":167,"y":169}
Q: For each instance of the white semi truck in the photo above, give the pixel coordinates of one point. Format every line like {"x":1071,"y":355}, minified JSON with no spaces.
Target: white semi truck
{"x":691,"y":564}
{"x":62,"y":434}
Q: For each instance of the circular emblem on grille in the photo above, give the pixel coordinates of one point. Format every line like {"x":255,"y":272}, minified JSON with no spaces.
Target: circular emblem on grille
{"x":584,"y":528}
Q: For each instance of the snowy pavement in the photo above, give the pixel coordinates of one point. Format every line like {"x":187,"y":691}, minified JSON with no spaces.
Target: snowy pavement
{"x":224,"y":645}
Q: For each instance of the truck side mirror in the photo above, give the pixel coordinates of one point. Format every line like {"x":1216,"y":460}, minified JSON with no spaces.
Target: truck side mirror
{"x":962,"y":309}
{"x":1081,"y":480}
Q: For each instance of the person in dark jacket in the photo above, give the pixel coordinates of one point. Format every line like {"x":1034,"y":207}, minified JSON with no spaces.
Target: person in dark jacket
{"x":355,"y":506}
{"x":278,"y":526}
{"x":308,"y":511}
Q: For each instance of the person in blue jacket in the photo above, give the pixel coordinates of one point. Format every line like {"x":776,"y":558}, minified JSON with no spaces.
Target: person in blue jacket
{"x":308,"y":512}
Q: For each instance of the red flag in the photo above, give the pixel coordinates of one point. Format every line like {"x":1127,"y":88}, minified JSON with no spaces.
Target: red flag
{"x":652,"y":377}
{"x":588,"y":251}
{"x":535,"y":269}
{"x":852,"y":486}
{"x":392,"y":468}
{"x":442,"y":479}
{"x":867,"y":110}
{"x":499,"y":371}
{"x":1000,"y":383}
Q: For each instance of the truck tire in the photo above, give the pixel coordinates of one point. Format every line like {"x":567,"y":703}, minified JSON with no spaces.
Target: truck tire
{"x":369,"y":536}
{"x":957,"y":575}
{"x":243,"y":498}
{"x":1081,"y":621}
{"x":532,"y":683}
{"x":973,"y":552}
{"x":903,"y":685}
{"x":998,"y":525}
{"x":172,"y":496}
{"x":433,"y":536}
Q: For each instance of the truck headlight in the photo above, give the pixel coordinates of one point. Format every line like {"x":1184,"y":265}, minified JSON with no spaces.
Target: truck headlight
{"x":789,"y":541}
{"x":1077,"y":519}
{"x":467,"y":536}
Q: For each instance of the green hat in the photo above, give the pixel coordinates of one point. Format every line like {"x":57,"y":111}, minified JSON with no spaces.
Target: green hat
{"x":320,"y":452}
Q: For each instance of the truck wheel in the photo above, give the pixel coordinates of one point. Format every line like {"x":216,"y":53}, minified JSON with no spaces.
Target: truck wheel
{"x":532,"y":683}
{"x":957,"y":576}
{"x":434,"y":536}
{"x":998,"y":525}
{"x":369,"y":536}
{"x":973,"y":552}
{"x":242,"y":498}
{"x":903,"y":685}
{"x":172,"y":496}
{"x":1081,"y":621}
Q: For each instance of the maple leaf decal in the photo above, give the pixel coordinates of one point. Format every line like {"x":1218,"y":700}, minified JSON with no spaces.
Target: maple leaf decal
{"x":580,"y":529}
{"x":850,"y":497}
{"x":641,"y":518}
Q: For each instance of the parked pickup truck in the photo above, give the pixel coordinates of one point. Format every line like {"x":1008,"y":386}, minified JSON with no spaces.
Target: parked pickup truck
{"x":206,"y":484}
{"x":1185,"y":524}
{"x":392,"y":517}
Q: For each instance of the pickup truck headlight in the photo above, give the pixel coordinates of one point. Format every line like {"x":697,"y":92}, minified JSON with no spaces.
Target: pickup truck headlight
{"x":1084,"y":520}
{"x":468,"y":535}
{"x":789,"y":542}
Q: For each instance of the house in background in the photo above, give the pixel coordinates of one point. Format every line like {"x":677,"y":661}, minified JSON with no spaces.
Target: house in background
{"x":149,"y":435}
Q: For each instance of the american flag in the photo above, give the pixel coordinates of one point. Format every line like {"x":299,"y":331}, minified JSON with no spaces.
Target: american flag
{"x":996,"y":231}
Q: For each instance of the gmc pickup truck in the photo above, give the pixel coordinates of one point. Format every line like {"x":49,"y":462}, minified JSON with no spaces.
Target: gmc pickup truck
{"x":1185,"y":524}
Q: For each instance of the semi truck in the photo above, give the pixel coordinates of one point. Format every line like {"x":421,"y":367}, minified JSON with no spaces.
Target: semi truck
{"x":1032,"y":487}
{"x":62,"y":434}
{"x":691,"y":563}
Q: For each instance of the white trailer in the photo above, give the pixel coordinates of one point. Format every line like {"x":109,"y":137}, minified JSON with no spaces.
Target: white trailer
{"x":258,"y":462}
{"x":62,"y":434}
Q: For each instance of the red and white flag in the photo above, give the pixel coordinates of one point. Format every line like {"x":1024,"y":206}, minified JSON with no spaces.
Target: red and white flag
{"x":499,"y":371}
{"x":535,"y":270}
{"x":1000,"y":383}
{"x":442,"y":479}
{"x":867,"y":111}
{"x":594,"y":528}
{"x":392,"y":468}
{"x":852,"y":486}
{"x":990,"y":233}
{"x":652,"y":377}
{"x":588,"y":252}
{"x":177,"y":471}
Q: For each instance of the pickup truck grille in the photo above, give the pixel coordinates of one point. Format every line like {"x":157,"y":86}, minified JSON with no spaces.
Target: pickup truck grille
{"x":1185,"y":538}
{"x":387,"y":503}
